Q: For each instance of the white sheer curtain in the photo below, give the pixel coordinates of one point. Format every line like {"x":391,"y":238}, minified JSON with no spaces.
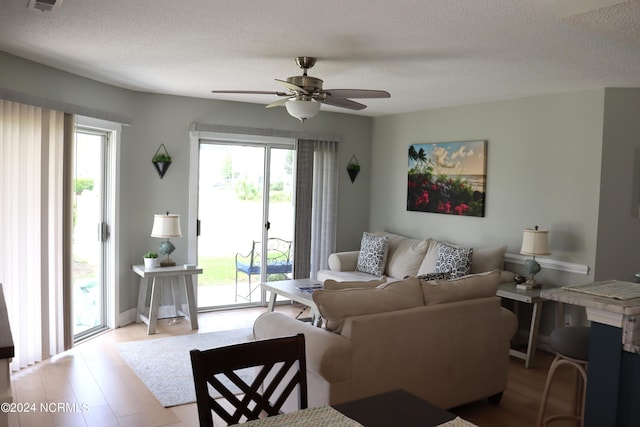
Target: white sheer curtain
{"x":316,"y":206}
{"x":32,"y":226}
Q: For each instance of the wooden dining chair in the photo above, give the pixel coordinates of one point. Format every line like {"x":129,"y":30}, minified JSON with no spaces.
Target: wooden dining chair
{"x":280,"y":368}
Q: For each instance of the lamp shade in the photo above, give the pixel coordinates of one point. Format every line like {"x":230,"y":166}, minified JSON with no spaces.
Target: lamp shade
{"x":165,"y":226}
{"x":302,"y":109}
{"x":535,"y":242}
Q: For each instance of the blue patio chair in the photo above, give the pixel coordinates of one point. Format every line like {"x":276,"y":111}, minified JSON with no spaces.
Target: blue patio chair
{"x":278,"y":261}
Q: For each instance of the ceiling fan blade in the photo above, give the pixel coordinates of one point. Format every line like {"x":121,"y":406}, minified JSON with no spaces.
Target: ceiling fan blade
{"x":293,"y":87}
{"x":342,"y":103}
{"x":279,"y":102}
{"x":253,"y":92}
{"x":357,"y":93}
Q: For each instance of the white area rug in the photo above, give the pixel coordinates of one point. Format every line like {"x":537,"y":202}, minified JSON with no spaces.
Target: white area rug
{"x":164,"y":364}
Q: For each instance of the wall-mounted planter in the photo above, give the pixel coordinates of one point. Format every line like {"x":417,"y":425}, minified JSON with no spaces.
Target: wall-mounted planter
{"x":161,"y":160}
{"x":353,"y":168}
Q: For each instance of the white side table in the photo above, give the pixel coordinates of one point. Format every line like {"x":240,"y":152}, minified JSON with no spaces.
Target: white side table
{"x":173,"y":275}
{"x":532,"y":296}
{"x":291,"y":289}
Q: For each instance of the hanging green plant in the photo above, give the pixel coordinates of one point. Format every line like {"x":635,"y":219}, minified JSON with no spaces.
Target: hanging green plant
{"x":353,"y":168}
{"x":161,"y":160}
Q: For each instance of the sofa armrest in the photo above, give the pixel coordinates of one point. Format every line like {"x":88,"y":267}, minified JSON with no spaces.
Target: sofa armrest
{"x":343,"y":261}
{"x":328,"y":355}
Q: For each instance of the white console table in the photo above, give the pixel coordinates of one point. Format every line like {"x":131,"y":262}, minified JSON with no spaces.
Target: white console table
{"x":173,"y":275}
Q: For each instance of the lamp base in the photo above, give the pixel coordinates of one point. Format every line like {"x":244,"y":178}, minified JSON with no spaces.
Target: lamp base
{"x":167,"y":263}
{"x":528,"y":285}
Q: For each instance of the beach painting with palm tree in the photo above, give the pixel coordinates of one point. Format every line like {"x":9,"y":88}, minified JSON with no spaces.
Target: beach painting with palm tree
{"x":447,"y":178}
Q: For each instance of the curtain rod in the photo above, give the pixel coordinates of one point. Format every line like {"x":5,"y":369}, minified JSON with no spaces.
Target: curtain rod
{"x":278,"y":133}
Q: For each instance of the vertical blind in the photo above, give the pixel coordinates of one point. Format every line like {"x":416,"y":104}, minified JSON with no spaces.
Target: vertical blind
{"x":316,"y":206}
{"x":34,"y":224}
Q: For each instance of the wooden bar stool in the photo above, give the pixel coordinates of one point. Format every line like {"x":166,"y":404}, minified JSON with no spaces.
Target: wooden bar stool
{"x":571,"y":345}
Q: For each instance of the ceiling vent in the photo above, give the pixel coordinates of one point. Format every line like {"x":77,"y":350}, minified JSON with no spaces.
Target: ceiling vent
{"x":43,"y":5}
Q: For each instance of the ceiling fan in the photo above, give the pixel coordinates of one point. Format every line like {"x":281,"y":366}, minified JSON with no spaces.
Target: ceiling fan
{"x":304,"y":93}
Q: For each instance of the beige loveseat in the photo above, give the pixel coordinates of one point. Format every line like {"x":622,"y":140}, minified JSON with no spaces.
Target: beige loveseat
{"x":444,"y":341}
{"x":406,"y":257}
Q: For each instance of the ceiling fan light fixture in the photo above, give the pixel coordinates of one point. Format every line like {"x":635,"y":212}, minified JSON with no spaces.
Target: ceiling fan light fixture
{"x":302,"y":109}
{"x":304,"y":93}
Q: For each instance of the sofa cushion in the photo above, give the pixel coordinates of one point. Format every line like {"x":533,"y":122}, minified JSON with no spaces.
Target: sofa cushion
{"x":454,"y":259}
{"x":335,"y":306}
{"x":471,"y":286}
{"x":405,"y":255}
{"x":373,"y":253}
{"x":487,"y":259}
{"x":335,"y":285}
{"x":429,"y":262}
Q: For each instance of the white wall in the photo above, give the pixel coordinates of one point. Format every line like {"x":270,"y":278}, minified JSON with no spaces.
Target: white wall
{"x":36,"y":79}
{"x":543,"y":168}
{"x":618,"y":252}
{"x":544,"y":159}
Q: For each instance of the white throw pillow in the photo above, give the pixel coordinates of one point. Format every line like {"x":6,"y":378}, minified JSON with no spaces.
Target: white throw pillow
{"x":373,"y":254}
{"x":429,"y":262}
{"x":405,"y":255}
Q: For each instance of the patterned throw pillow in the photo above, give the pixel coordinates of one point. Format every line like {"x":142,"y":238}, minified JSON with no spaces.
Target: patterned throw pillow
{"x":373,"y":254}
{"x":445,"y":275}
{"x":455,"y":260}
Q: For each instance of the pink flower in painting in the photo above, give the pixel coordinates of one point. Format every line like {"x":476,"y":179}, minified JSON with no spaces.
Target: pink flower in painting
{"x":461,"y":209}
{"x":423,"y":199}
{"x":444,"y":207}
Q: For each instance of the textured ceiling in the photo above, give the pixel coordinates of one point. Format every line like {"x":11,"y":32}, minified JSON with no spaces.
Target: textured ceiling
{"x":426,"y":53}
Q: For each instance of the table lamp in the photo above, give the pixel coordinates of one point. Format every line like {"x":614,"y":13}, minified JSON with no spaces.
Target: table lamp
{"x":164,"y":227}
{"x":534,"y":242}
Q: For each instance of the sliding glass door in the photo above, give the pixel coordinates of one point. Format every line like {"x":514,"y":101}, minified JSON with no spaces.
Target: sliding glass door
{"x":90,"y":231}
{"x":245,"y":207}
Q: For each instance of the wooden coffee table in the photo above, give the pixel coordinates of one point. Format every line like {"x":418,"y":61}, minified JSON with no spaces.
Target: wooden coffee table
{"x":293,"y":290}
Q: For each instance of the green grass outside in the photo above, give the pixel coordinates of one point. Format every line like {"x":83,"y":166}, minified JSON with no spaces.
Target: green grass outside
{"x":222,"y":271}
{"x":218,"y":271}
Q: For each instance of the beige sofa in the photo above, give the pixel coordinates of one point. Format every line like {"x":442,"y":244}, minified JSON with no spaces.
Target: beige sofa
{"x":406,"y":256}
{"x":445,"y":341}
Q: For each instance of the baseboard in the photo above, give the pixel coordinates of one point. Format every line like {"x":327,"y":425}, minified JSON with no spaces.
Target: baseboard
{"x":126,"y":317}
{"x":522,"y":337}
{"x":129,"y":316}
